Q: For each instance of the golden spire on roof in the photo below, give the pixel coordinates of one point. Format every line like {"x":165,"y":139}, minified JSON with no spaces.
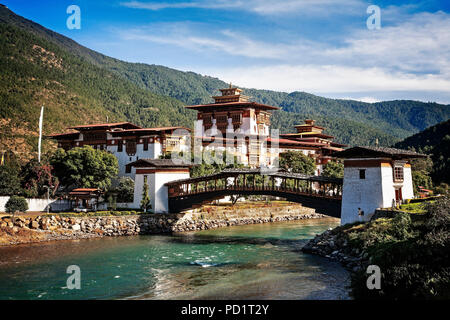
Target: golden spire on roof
{"x":230,"y":94}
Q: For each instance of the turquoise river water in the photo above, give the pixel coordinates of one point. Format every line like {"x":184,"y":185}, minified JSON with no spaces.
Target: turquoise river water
{"x":261,"y":261}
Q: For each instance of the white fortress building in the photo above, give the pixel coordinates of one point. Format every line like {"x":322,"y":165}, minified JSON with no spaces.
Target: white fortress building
{"x":127,"y":141}
{"x":231,"y":124}
{"x":374,"y":178}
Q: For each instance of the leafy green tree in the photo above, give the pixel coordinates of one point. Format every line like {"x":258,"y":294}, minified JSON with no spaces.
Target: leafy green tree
{"x":85,"y":167}
{"x":36,"y":177}
{"x":421,"y":173}
{"x":112,"y":200}
{"x":125,"y":190}
{"x":145,"y":202}
{"x":443,"y":188}
{"x":208,"y":166}
{"x":16,"y":204}
{"x":333,"y":169}
{"x":295,"y":161}
{"x":9,"y":181}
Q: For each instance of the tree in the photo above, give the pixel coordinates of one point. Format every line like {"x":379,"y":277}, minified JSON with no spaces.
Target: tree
{"x":9,"y":181}
{"x":145,"y":202}
{"x":421,"y":173}
{"x":210,"y":167}
{"x":125,"y":190}
{"x":85,"y":167}
{"x":333,"y":169}
{"x":295,"y":161}
{"x":16,"y":204}
{"x":36,"y":177}
{"x":112,"y":200}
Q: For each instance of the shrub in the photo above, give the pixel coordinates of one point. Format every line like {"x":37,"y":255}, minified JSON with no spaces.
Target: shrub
{"x":9,"y":181}
{"x":414,"y":256}
{"x":16,"y":204}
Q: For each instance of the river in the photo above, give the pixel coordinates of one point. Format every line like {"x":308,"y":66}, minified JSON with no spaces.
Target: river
{"x":260,"y":261}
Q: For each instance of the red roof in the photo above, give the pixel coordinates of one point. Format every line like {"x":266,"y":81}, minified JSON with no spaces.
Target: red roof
{"x":232,"y":104}
{"x":306,"y":125}
{"x":108,"y":125}
{"x":308,"y":134}
{"x":304,"y":143}
{"x":333,"y":148}
{"x":67,"y":134}
{"x":155,"y":129}
{"x":279,"y":141}
{"x":85,"y":192}
{"x":85,"y":189}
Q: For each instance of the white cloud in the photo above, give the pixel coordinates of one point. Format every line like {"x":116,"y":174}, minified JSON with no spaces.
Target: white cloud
{"x":328,"y":78}
{"x":362,"y":99}
{"x":226,"y":41}
{"x":413,"y":55}
{"x":154,"y":6}
{"x":419,"y":44}
{"x":262,"y":7}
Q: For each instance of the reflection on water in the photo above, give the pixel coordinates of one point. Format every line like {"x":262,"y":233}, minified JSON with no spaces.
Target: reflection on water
{"x":245,"y":262}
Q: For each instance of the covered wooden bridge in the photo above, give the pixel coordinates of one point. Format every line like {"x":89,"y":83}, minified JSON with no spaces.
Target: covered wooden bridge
{"x":321,"y":193}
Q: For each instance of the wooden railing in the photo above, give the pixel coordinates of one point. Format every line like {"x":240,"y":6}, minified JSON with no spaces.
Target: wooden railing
{"x":251,"y":181}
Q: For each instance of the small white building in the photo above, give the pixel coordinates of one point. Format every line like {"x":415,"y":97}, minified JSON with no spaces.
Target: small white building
{"x":374,"y":178}
{"x":156,"y":173}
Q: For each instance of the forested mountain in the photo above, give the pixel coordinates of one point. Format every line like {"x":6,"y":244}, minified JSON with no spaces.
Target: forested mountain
{"x":36,"y":71}
{"x":78,"y":85}
{"x":434,"y":141}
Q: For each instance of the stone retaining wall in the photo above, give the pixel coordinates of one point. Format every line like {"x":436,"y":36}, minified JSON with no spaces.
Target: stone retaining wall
{"x":82,"y":227}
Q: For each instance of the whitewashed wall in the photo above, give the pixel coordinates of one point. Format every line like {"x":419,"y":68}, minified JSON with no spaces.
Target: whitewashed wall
{"x":366,"y":194}
{"x":125,"y":205}
{"x":407,"y":190}
{"x":377,"y":190}
{"x":157,"y":191}
{"x":40,"y":204}
{"x":153,"y":152}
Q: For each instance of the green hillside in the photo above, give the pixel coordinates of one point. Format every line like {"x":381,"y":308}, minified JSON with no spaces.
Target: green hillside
{"x":78,"y":85}
{"x":436,"y":142}
{"x":36,"y":72}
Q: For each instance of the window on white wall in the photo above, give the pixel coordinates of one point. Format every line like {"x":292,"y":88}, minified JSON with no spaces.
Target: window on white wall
{"x":398,"y":173}
{"x":362,"y":173}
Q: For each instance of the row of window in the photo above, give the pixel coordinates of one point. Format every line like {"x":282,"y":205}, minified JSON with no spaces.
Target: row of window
{"x":398,"y":174}
{"x":131,"y":146}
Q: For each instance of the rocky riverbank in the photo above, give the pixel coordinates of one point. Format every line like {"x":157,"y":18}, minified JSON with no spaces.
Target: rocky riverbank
{"x":334,"y":245}
{"x":26,"y":229}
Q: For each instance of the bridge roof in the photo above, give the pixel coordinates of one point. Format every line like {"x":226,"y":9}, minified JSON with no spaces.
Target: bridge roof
{"x":237,"y":171}
{"x":167,"y":163}
{"x":378,"y":152}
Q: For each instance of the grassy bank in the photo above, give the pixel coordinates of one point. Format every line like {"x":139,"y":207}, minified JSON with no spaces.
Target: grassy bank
{"x":412,"y":251}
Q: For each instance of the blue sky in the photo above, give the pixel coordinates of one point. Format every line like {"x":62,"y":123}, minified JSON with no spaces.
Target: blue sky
{"x":318,"y":46}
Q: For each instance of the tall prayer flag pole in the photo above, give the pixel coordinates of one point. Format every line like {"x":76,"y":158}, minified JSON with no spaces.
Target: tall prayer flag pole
{"x":40,"y":133}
